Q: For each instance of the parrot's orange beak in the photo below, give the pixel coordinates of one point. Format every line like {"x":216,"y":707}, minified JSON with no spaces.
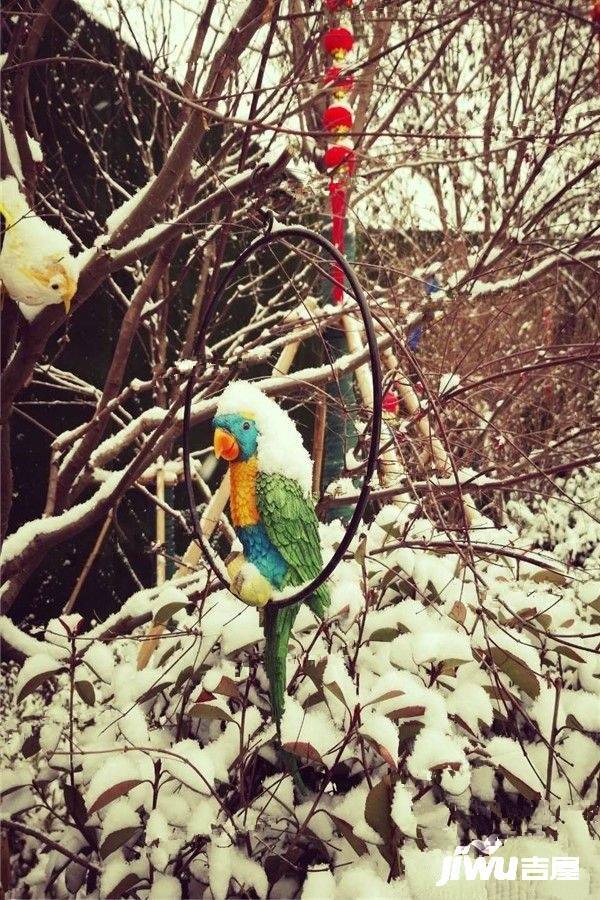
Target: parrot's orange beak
{"x":225,"y":445}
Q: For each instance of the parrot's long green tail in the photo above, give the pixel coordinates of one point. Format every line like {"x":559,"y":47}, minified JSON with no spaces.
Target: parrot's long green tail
{"x":278,"y":627}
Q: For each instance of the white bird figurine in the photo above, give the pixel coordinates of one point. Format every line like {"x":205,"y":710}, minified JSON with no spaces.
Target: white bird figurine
{"x":36,"y":265}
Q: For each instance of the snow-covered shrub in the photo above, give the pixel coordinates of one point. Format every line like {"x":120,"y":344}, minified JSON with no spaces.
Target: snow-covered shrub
{"x":450,"y":694}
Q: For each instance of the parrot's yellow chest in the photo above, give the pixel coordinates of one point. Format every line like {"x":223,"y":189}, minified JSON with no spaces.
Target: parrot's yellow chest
{"x":242,"y":500}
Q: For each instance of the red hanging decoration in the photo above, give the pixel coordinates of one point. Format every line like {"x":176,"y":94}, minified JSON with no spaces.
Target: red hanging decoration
{"x":338,"y":42}
{"x":341,"y":84}
{"x":390,"y":402}
{"x":595,"y":16}
{"x":337,"y":196}
{"x":338,"y":118}
{"x":341,"y":159}
{"x":335,"y":5}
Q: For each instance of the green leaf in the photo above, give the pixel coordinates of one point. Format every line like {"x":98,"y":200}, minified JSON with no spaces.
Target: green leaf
{"x":378,"y":809}
{"x":518,"y":671}
{"x":112,"y":793}
{"x":167,"y":612}
{"x":85,"y":689}
{"x":361,"y":552}
{"x":206,"y":711}
{"x":385,"y":635}
{"x":116,"y":839}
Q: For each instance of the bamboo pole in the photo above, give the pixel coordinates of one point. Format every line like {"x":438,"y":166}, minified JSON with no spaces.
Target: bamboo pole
{"x":161,"y":530}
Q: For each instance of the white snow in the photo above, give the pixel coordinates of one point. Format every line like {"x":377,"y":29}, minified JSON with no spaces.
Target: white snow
{"x":191,"y":765}
{"x":402,"y":811}
{"x":34,"y":666}
{"x":279,"y":447}
{"x":118,"y":215}
{"x":434,"y":749}
{"x":17,"y":542}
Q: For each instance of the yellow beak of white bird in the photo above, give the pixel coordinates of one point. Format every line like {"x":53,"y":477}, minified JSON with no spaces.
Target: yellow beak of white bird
{"x":57,"y":280}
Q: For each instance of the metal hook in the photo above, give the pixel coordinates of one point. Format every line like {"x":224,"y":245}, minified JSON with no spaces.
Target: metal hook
{"x":268,"y":219}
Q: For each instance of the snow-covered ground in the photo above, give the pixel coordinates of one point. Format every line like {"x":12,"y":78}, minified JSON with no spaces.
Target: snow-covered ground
{"x":439,"y":703}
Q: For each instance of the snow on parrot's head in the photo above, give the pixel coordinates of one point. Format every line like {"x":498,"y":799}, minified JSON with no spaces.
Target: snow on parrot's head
{"x":249,"y":424}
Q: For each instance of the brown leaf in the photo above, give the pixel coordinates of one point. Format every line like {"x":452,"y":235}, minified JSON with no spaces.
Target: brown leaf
{"x":378,"y":809}
{"x":85,"y":689}
{"x":520,"y":785}
{"x":406,"y":712}
{"x":517,"y":671}
{"x":167,"y":611}
{"x":116,"y":839}
{"x":205,"y":711}
{"x":123,"y":887}
{"x":30,"y":686}
{"x":383,"y":752}
{"x":303,"y":750}
{"x":117,"y":790}
{"x":345,"y":829}
{"x":228,"y":688}
{"x":458,"y":612}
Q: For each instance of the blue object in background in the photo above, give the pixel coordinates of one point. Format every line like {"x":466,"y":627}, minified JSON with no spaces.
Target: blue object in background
{"x":432,"y":285}
{"x":414,"y":336}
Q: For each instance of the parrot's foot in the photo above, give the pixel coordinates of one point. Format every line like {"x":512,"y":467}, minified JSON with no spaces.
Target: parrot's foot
{"x":247,"y":583}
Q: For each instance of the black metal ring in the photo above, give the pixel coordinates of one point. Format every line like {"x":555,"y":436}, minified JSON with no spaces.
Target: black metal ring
{"x":279,"y":233}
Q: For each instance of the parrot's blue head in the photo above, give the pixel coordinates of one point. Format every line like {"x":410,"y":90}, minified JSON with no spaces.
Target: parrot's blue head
{"x":236,"y":436}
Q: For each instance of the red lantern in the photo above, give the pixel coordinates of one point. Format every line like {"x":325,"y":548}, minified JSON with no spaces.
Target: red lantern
{"x":338,"y":42}
{"x":340,"y":158}
{"x":390,"y":402}
{"x":341,"y":84}
{"x":335,"y":5}
{"x":337,"y":118}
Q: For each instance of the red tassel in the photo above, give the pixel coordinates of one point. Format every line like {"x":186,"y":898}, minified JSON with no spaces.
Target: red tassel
{"x":337,"y":195}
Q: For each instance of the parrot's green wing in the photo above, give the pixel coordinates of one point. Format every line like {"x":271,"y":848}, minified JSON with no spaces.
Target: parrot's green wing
{"x":291,"y":524}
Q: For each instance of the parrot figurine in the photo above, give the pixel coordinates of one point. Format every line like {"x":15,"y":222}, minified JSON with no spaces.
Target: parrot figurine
{"x":36,"y":265}
{"x":273,"y":514}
